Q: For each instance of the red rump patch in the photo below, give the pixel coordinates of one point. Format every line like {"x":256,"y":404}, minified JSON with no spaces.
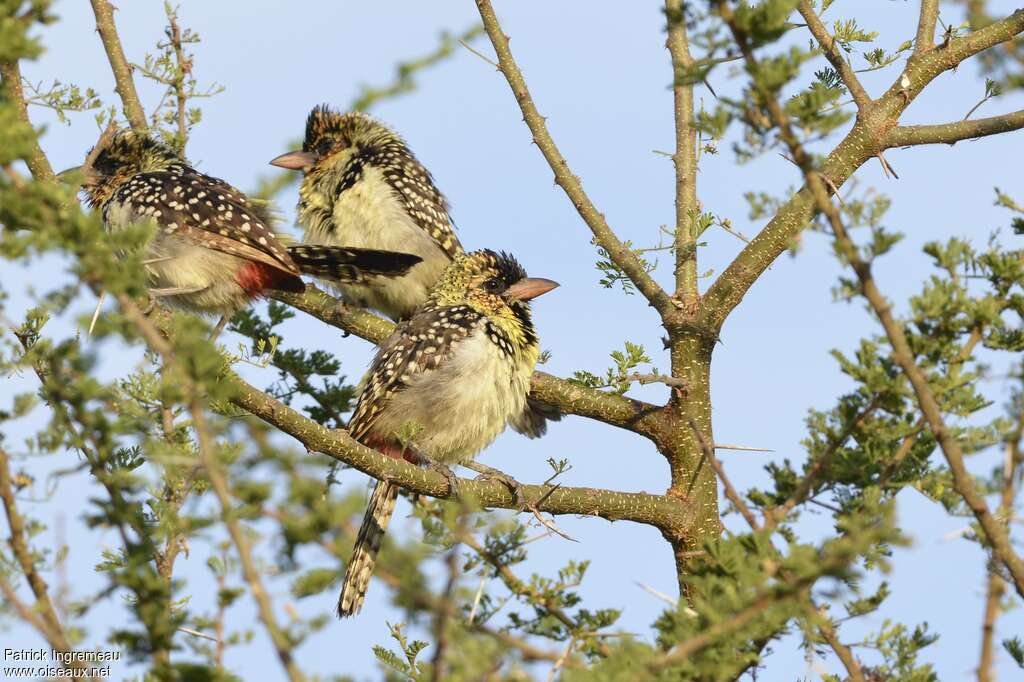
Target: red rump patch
{"x":391,"y":449}
{"x":255,"y":278}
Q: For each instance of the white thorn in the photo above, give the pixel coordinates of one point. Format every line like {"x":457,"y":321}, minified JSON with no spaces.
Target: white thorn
{"x":96,"y":313}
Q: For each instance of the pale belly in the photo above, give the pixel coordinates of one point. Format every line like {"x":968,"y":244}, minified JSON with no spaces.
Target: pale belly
{"x":205,"y":277}
{"x":368,"y":215}
{"x":460,"y":408}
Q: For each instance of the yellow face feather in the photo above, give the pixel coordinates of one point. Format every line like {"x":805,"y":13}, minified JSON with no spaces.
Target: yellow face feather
{"x":480,"y":280}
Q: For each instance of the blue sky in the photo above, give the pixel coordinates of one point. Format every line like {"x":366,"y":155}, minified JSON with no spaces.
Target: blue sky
{"x":599,"y":71}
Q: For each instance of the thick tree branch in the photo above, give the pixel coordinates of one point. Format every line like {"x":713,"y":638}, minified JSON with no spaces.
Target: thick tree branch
{"x":685,"y":157}
{"x":926,"y":26}
{"x":616,"y":410}
{"x":620,"y":254}
{"x":13,"y":92}
{"x":669,"y":514}
{"x":124,"y":84}
{"x":948,"y":133}
{"x":862,"y":143}
{"x":834,"y":56}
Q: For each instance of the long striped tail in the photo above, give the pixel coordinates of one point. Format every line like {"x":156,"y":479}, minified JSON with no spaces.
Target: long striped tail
{"x":350,"y":264}
{"x":364,"y":555}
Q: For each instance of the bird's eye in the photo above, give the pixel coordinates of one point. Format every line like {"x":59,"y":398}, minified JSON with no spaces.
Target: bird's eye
{"x":324,"y":147}
{"x":494,"y":285}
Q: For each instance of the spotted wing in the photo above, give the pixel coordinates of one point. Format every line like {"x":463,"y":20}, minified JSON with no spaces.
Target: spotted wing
{"x":206,"y":211}
{"x":421,"y":344}
{"x":414,"y":186}
{"x":350,"y":265}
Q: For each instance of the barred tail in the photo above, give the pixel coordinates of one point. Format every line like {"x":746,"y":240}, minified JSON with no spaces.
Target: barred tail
{"x":364,"y":555}
{"x":345,"y":264}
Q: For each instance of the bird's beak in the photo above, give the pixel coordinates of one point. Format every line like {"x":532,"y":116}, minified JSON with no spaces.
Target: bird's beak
{"x":530,"y":287}
{"x":69,"y":174}
{"x":297,"y":160}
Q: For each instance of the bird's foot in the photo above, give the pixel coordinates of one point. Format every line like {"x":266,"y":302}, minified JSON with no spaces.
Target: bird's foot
{"x":486,"y":473}
{"x":449,"y":476}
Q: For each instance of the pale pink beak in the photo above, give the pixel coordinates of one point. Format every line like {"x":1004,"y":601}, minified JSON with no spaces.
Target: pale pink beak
{"x":530,"y":287}
{"x":297,"y":160}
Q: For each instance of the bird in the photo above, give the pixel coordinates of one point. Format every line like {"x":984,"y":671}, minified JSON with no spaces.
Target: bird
{"x":363,"y":187}
{"x":444,"y":384}
{"x":213,"y":250}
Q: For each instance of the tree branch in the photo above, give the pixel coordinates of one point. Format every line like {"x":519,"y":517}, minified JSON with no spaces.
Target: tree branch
{"x":54,"y":638}
{"x":670,"y":514}
{"x":776,"y":515}
{"x":926,"y":26}
{"x":13,"y":92}
{"x":528,"y":591}
{"x":19,"y":546}
{"x":620,"y":254}
{"x":831,"y":637}
{"x":685,"y":157}
{"x":903,"y":355}
{"x":993,"y":593}
{"x":831,"y":51}
{"x":125,"y":85}
{"x":948,"y":133}
{"x":730,"y":491}
{"x":282,"y":644}
{"x":626,"y":413}
{"x":159,"y":345}
{"x":862,"y":143}
{"x":821,"y":622}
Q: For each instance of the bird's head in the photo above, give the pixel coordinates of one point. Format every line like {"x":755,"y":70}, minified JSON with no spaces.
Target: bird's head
{"x":494,"y":284}
{"x":331,"y":139}
{"x":127,"y":153}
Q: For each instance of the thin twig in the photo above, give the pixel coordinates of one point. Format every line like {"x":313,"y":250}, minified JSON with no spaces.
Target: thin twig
{"x":828,"y":46}
{"x":218,"y":482}
{"x":125,"y":85}
{"x":820,"y":466}
{"x":479,"y":54}
{"x":619,"y":253}
{"x":23,"y":555}
{"x":196,"y":633}
{"x":730,"y":492}
{"x":742,"y":448}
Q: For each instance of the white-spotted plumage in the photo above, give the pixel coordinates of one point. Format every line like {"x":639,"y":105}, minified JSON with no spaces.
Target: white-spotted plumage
{"x":367,"y":189}
{"x":212,"y":251}
{"x":446,"y":383}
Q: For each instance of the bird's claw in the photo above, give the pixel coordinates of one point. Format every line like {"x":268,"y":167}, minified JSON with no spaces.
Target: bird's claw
{"x":486,"y":473}
{"x":449,"y":476}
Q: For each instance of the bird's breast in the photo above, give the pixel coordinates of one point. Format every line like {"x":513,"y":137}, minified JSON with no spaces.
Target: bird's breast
{"x":460,"y":407}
